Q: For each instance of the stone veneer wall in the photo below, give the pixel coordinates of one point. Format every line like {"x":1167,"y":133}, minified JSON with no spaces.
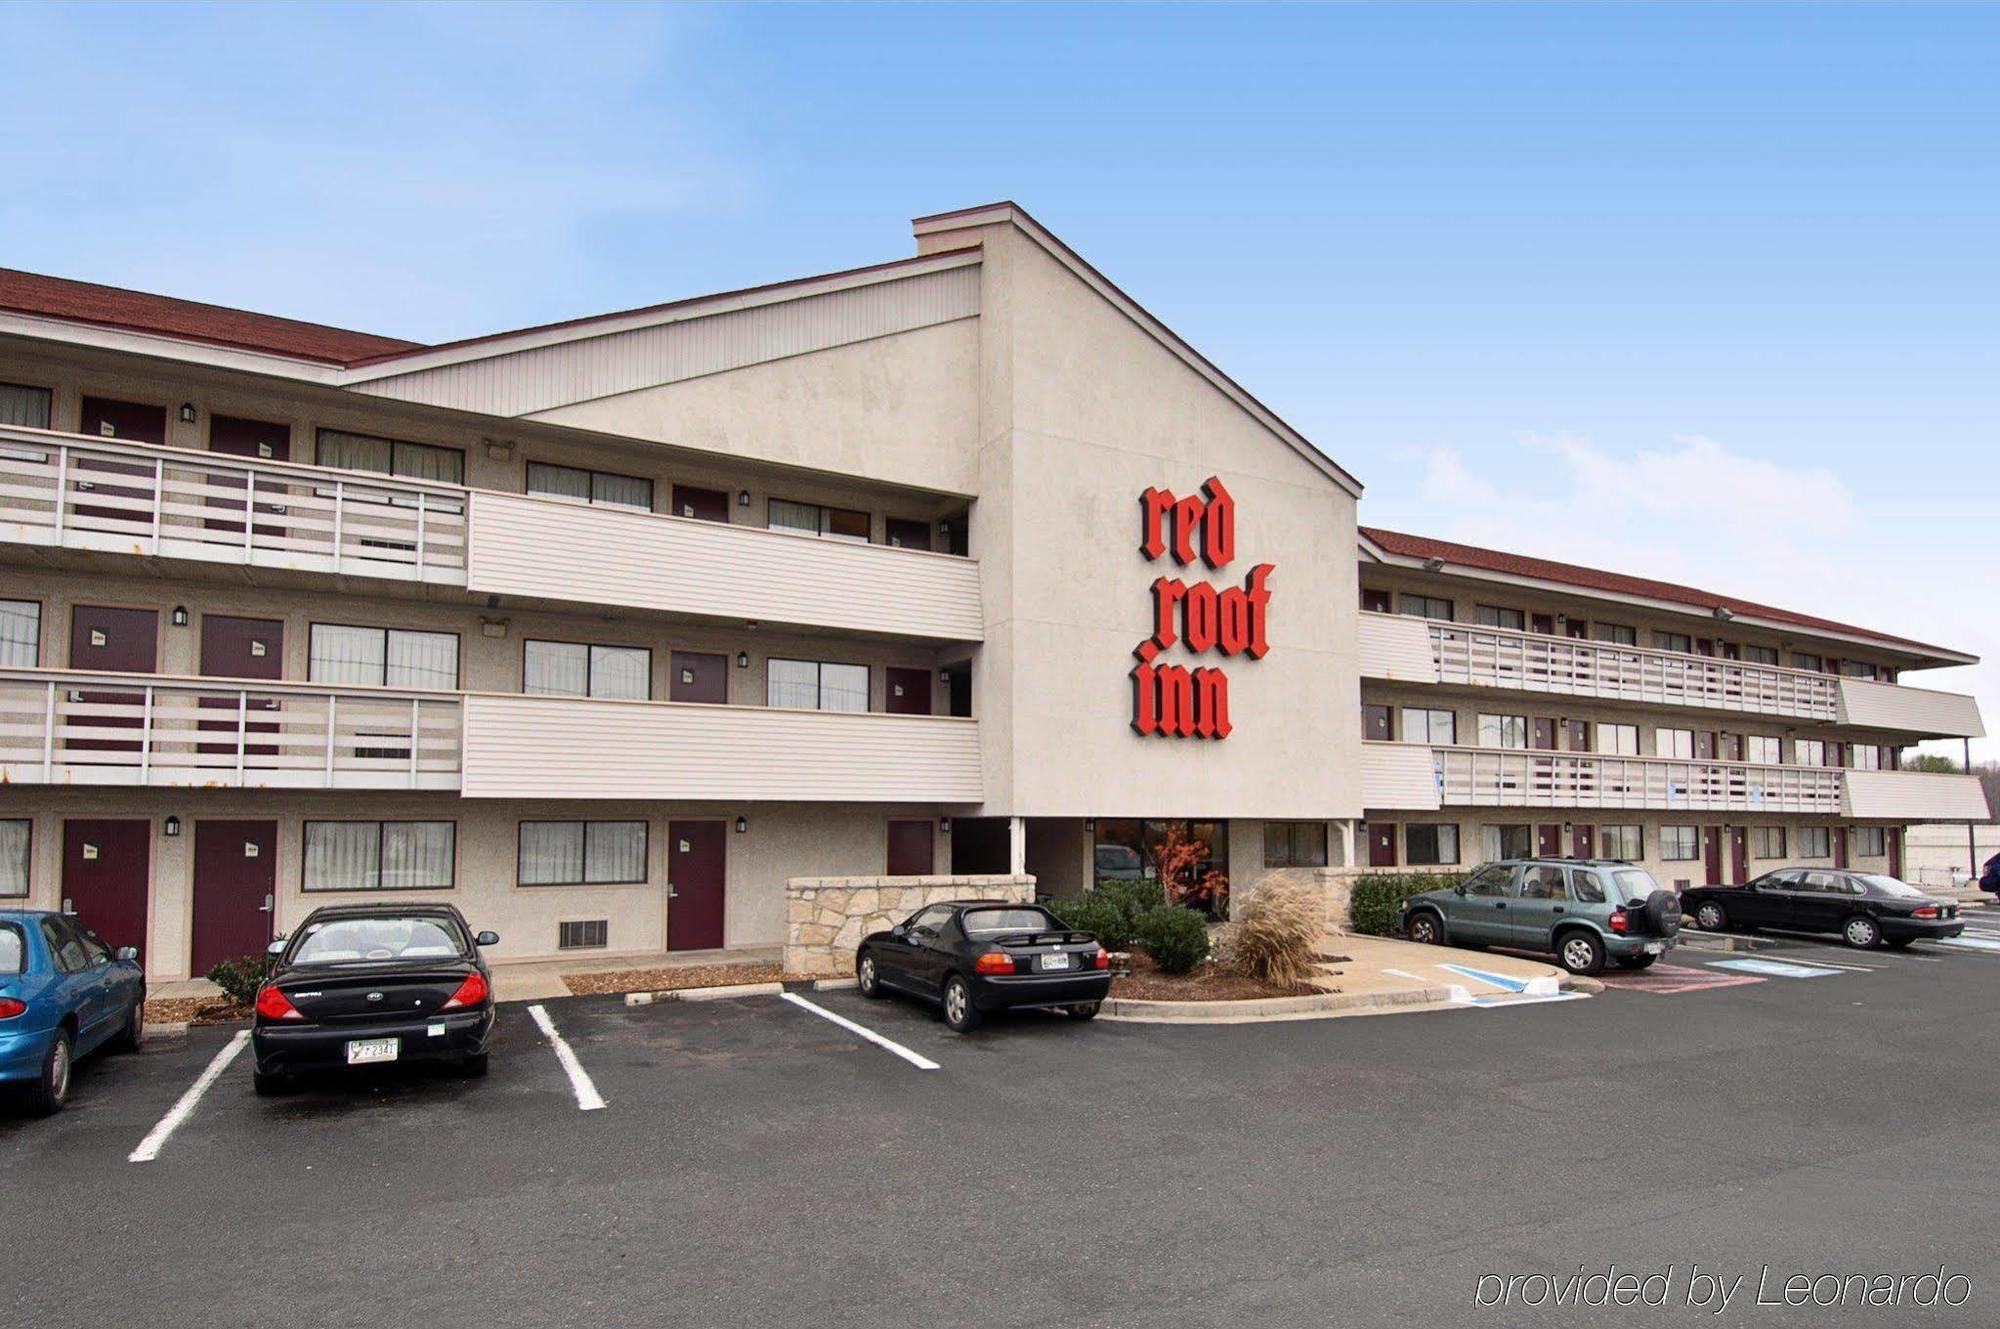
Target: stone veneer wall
{"x":826,"y":917}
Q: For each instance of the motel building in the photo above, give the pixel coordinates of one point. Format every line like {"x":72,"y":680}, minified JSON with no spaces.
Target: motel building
{"x":957,"y":565}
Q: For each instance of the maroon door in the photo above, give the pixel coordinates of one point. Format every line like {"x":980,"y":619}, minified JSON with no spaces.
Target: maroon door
{"x":1375,"y":723}
{"x":1381,"y":844}
{"x":122,"y":641}
{"x":1711,"y":854}
{"x":695,"y":876}
{"x":104,"y":871}
{"x":1704,"y":745}
{"x":1731,"y":651}
{"x":259,"y":440}
{"x":1579,"y":735}
{"x":104,"y":418}
{"x":1893,"y":837}
{"x":1542,"y":623}
{"x":1548,"y":841}
{"x":1732,"y":747}
{"x":1704,"y":646}
{"x":698,"y":676}
{"x":909,"y":691}
{"x":1583,"y":841}
{"x":910,"y":850}
{"x":241,"y":648}
{"x":1739,"y":856}
{"x":1840,"y":846}
{"x":1374,"y":601}
{"x":701,"y":504}
{"x":1545,"y":734}
{"x":907,"y":534}
{"x":235,"y":881}
{"x":1575,"y":627}
{"x":958,"y":691}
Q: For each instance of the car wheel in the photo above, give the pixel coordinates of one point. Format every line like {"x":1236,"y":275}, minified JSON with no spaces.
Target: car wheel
{"x":49,"y":1092}
{"x":1083,"y":1010}
{"x":1636,"y":961}
{"x":1712,"y":916}
{"x":959,"y":1012}
{"x":1581,"y":953}
{"x":866,"y":977}
{"x":1861,"y":932}
{"x":1426,"y":929}
{"x":269,"y":1084}
{"x":127,"y":1037}
{"x":474,"y":1067}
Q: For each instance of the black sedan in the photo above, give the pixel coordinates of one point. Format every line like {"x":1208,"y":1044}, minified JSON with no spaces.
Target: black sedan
{"x":976,"y":956}
{"x":1865,"y":908}
{"x":367,"y":984}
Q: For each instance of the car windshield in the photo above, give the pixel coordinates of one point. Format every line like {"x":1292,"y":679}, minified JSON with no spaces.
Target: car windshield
{"x":13,"y":949}
{"x":1889,"y":886}
{"x":1636,"y":883}
{"x":370,"y":940}
{"x":1008,"y":920}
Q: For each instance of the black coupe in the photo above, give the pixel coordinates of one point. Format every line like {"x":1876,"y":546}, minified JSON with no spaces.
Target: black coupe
{"x":975,"y":956}
{"x":365,"y":984}
{"x":1865,"y":908}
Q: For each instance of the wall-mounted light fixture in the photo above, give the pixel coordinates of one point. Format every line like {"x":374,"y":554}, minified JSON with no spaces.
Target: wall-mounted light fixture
{"x":742,"y":659}
{"x":1433,"y":565}
{"x":742,"y":498}
{"x":944,"y":675}
{"x":180,"y":616}
{"x":492,"y":627}
{"x":172,"y":826}
{"x":742,"y":825}
{"x":500,"y":449}
{"x":1090,"y":824}
{"x":187,"y":413}
{"x":1722,"y":614}
{"x":944,"y":824}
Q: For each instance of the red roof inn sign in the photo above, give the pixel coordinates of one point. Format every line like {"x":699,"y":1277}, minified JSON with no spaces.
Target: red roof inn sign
{"x":1171,"y":700}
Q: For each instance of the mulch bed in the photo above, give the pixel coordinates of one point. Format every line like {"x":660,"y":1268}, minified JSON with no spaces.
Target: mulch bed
{"x":1147,"y":983}
{"x":663,"y":980}
{"x":194,"y":1010}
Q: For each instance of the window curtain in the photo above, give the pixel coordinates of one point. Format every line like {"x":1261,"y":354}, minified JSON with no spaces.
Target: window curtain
{"x":615,"y":851}
{"x":843,"y":687}
{"x":355,"y":452}
{"x":786,"y":516}
{"x":558,"y":481}
{"x":417,"y":854}
{"x":556,"y":669}
{"x":14,"y":837}
{"x":20,"y":633}
{"x":551,"y":853}
{"x":343,"y":855}
{"x":421,"y":461}
{"x":426,"y":660}
{"x":792,"y":683}
{"x":622,"y":491}
{"x":24,"y":406}
{"x":621,"y":673}
{"x":346,"y":655}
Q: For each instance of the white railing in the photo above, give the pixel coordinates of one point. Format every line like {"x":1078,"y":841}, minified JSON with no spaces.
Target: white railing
{"x":61,"y":726}
{"x":69,"y":491}
{"x":1512,"y":777}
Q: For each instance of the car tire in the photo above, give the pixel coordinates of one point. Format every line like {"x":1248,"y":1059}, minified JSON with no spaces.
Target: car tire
{"x":867,"y":978}
{"x":1636,"y":961}
{"x":1425,"y":928}
{"x":1710,"y":916}
{"x":1861,"y":932}
{"x":270,"y":1084}
{"x":959,"y":1012}
{"x":1083,"y":1010}
{"x":475,"y":1066}
{"x":50,"y":1090}
{"x":1580,"y":953}
{"x":127,"y":1037}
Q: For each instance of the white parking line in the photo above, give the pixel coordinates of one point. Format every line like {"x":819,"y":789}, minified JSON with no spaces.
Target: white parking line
{"x":922,"y":1063}
{"x":156,"y":1139}
{"x":587,"y":1097}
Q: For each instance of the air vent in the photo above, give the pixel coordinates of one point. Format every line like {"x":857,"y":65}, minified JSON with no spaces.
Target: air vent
{"x":583,"y":934}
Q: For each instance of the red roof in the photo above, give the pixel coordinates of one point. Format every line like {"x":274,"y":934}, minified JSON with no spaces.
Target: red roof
{"x":1617,"y":583}
{"x":112,"y":306}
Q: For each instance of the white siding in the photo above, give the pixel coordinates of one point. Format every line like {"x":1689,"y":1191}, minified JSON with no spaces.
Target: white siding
{"x":1397,"y":646}
{"x":548,"y":549}
{"x":1909,"y":710}
{"x":1914,"y":796}
{"x":1398,"y":777}
{"x":560,"y":747}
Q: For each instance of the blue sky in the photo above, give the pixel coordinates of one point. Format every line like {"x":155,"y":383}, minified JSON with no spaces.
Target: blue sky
{"x":1705,"y":292}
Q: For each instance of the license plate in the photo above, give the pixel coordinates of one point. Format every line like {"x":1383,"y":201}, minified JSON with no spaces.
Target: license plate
{"x":361,"y":1051}
{"x":1055,"y":962}
{"x":1655,"y":947}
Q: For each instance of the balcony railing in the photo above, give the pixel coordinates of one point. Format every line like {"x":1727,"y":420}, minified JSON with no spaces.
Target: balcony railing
{"x":1516,"y":778}
{"x":1420,"y":650}
{"x":68,"y":491}
{"x":68,"y":727}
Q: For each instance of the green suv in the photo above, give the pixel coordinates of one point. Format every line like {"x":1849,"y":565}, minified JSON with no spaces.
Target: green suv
{"x":1584,"y":910}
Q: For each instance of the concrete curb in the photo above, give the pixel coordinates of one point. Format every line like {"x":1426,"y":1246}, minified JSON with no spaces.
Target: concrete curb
{"x":162,"y":1031}
{"x":1720,"y":941}
{"x":724,"y":993}
{"x":1322,"y":1006}
{"x":832,"y":984}
{"x":1581,"y":983}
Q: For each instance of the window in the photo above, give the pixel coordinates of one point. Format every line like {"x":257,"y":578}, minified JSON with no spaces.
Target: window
{"x":572,"y":669}
{"x":64,"y":948}
{"x":1864,"y":757}
{"x":1626,"y":842}
{"x":1763,"y":749}
{"x":21,"y":405}
{"x":1815,"y":842}
{"x":1543,"y":883}
{"x":582,"y":853}
{"x":1432,"y":844}
{"x":1294,"y":844}
{"x":581,"y":486}
{"x":380,"y":855}
{"x":1588,"y":885}
{"x":1618,"y":740}
{"x":1674,"y":743}
{"x":1491,"y":880}
{"x":1422,"y":726}
{"x":1507,"y":841}
{"x":1679,"y":844}
{"x":390,"y":456}
{"x":1673,"y":641}
{"x":383,"y":657}
{"x":13,"y":949}
{"x":1803,"y":660}
{"x":834,"y":523}
{"x":1493,"y":616}
{"x":20,"y":634}
{"x":1870,"y":841}
{"x":1426,"y":606}
{"x":1857,"y":669}
{"x":583,"y":934}
{"x":812,"y":685}
{"x":1615,"y":633}
{"x":16,"y":834}
{"x":1763,"y":655}
{"x":1767,"y":841}
{"x":1503,"y":731}
{"x":1810,"y":751}
{"x":386,"y":935}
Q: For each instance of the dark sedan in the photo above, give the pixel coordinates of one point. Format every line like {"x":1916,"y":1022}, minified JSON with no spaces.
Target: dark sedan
{"x":363,"y":985}
{"x":1865,"y":908}
{"x":976,"y":956}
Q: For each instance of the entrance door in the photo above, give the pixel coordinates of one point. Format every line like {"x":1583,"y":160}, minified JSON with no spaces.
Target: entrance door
{"x":1545,"y":734}
{"x":910,"y":849}
{"x":105,"y":867}
{"x":1893,"y":837}
{"x":958,"y":691}
{"x":1739,"y":855}
{"x":1374,"y":601}
{"x":1542,"y":623}
{"x":698,"y":676}
{"x":1548,"y":841}
{"x":909,"y":691}
{"x":235,"y":885}
{"x":1381,"y":844}
{"x":1711,"y":854}
{"x":1579,"y":735}
{"x":119,"y":641}
{"x":1840,"y":846}
{"x":259,"y":440}
{"x":1375,"y":723}
{"x":1704,"y":745}
{"x":701,"y":504}
{"x":695,"y":881}
{"x":907,"y":534}
{"x":1575,"y":627}
{"x":241,"y":648}
{"x":1583,"y":841}
{"x":104,"y":418}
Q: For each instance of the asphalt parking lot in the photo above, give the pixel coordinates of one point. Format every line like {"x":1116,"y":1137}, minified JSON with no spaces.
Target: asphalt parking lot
{"x":753,"y":1163}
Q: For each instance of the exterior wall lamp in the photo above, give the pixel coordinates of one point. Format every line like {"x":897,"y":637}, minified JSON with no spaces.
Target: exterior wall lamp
{"x":180,"y":616}
{"x":187,"y":413}
{"x":944,"y":824}
{"x":742,"y":659}
{"x":742,"y":498}
{"x":742,"y":825}
{"x":172,"y":827}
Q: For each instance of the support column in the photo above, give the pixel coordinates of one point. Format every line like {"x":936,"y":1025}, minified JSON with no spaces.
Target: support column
{"x":1017,"y":845}
{"x":1347,"y":844}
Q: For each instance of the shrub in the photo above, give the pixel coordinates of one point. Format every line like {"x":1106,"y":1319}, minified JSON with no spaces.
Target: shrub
{"x":1135,"y":897}
{"x":240,"y":978}
{"x":1375,"y":906}
{"x":1177,"y":939}
{"x":1097,"y":913}
{"x":1276,"y":936}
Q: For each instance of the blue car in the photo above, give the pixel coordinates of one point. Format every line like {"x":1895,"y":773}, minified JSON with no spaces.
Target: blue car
{"x":63,"y":995}
{"x":1989,"y":879}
